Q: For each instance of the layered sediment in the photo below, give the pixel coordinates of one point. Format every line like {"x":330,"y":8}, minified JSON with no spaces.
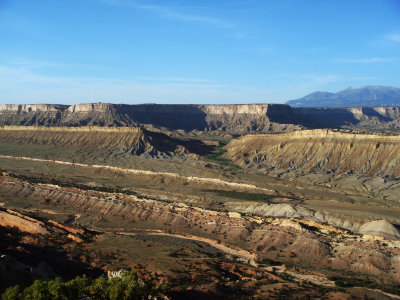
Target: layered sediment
{"x":319,"y":150}
{"x":116,"y":140}
{"x":285,"y":238}
{"x":230,"y":118}
{"x":24,"y":223}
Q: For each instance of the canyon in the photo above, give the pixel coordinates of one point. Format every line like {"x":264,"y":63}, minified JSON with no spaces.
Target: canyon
{"x":261,"y":200}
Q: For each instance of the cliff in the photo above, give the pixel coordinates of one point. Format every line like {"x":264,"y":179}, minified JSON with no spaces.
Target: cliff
{"x":236,"y":119}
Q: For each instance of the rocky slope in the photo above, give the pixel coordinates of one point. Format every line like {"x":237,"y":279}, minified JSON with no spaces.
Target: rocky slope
{"x":113,"y":140}
{"x":27,"y":254}
{"x":364,"y":96}
{"x":319,"y":151}
{"x":10,"y":218}
{"x":381,"y":228}
{"x":236,"y":119}
{"x":279,"y":238}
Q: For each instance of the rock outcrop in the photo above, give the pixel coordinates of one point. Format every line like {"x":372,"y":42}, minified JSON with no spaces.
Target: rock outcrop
{"x":24,"y":223}
{"x":293,"y":211}
{"x":9,"y":218}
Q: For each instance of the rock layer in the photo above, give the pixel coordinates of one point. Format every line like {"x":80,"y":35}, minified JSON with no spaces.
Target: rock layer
{"x":231,"y":118}
{"x":262,"y":236}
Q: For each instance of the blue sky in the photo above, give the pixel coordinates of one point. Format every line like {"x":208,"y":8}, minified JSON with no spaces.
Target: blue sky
{"x":181,"y":51}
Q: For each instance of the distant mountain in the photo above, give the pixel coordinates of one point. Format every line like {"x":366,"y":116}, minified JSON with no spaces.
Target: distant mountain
{"x":362,"y":97}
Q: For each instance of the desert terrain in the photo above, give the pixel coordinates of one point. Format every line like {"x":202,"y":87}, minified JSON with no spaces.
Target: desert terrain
{"x":232,"y":202}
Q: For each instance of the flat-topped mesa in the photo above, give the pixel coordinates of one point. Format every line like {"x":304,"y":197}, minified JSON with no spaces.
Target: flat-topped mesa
{"x":333,"y":117}
{"x":27,"y":108}
{"x":234,"y":119}
{"x":250,"y":109}
{"x":90,"y":107}
{"x":211,"y":109}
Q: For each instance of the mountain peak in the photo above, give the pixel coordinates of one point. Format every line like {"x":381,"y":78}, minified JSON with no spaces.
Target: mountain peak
{"x":370,"y":95}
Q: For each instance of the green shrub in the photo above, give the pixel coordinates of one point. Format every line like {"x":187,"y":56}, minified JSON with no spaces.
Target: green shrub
{"x":242,"y":195}
{"x":270,"y":262}
{"x":128,"y":286}
{"x":12,"y":293}
{"x":217,"y":157}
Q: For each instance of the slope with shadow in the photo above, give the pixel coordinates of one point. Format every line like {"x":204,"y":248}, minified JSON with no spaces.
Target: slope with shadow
{"x":28,"y":255}
{"x":107,"y":140}
{"x":319,"y":151}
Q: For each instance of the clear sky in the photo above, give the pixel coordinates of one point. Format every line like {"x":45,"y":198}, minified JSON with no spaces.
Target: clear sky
{"x":203,"y":51}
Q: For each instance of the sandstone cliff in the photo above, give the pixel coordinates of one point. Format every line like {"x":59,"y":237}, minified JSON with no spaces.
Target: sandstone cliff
{"x":236,"y":119}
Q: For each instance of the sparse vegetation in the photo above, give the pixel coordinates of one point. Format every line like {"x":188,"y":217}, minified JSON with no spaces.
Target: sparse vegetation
{"x":187,"y":263}
{"x":242,"y":195}
{"x":269,"y":262}
{"x":217,"y":157}
{"x":346,"y":282}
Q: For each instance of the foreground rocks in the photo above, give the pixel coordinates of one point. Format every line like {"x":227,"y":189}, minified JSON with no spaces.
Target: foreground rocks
{"x":282,"y":239}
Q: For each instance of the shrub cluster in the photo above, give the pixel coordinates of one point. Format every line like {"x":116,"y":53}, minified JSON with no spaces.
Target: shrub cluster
{"x":127,"y":286}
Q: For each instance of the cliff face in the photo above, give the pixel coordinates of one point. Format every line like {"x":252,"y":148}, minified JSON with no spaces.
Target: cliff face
{"x":379,"y":116}
{"x":231,"y":118}
{"x":90,"y":107}
{"x":26,"y":108}
{"x":320,"y":150}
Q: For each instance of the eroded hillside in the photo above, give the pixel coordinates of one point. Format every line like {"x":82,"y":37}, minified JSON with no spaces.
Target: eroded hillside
{"x":319,"y":151}
{"x":319,"y":251}
{"x":113,"y":140}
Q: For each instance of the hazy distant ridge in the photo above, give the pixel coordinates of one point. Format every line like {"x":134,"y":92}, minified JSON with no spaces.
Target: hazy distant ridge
{"x":361,"y":97}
